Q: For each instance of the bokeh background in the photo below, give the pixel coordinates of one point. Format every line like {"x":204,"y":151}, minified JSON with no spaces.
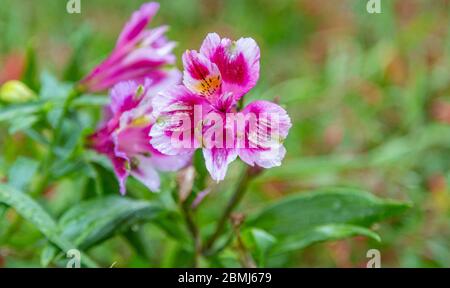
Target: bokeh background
{"x":369,"y":97}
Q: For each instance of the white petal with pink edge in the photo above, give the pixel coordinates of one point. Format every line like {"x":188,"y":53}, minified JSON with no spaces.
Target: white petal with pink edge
{"x":217,"y":161}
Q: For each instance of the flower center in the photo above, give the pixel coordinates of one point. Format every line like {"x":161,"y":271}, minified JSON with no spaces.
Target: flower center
{"x":208,"y":86}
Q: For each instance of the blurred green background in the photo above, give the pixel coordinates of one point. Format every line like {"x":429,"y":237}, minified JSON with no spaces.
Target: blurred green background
{"x":368,"y":94}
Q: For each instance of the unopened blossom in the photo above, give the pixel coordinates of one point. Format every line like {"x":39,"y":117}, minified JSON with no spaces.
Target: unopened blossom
{"x":202,"y":113}
{"x":140,"y":53}
{"x":124,"y":136}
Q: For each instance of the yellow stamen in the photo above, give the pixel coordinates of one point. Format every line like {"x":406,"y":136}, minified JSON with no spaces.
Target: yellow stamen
{"x":208,"y":86}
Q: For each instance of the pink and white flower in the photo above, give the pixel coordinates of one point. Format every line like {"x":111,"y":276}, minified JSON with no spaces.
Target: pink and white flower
{"x":124,"y":136}
{"x":139,"y":54}
{"x":202,"y":113}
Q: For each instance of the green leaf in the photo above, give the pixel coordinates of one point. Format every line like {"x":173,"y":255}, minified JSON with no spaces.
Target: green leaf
{"x":52,"y":88}
{"x":260,"y":242}
{"x":93,"y":221}
{"x":201,"y":172}
{"x":21,"y":172}
{"x":54,"y":91}
{"x":30,"y":71}
{"x":23,"y":123}
{"x":47,"y":255}
{"x":30,"y":210}
{"x":18,"y":111}
{"x":300,"y":213}
{"x":73,"y":72}
{"x":323,"y":233}
{"x":35,"y":214}
{"x":89,"y":100}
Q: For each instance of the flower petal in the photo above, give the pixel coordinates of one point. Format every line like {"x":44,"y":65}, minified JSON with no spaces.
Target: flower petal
{"x":270,"y":117}
{"x":138,"y":22}
{"x":133,"y":140}
{"x":144,"y":171}
{"x":201,"y":76}
{"x":266,"y":128}
{"x":121,"y":169}
{"x":123,"y":97}
{"x":103,"y":143}
{"x":217,"y":160}
{"x":140,"y":53}
{"x":267,"y":158}
{"x":172,"y":77}
{"x":164,"y":162}
{"x":238,"y":62}
{"x":177,"y":110}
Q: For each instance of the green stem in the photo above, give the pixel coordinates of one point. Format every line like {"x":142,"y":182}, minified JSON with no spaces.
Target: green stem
{"x":235,"y":199}
{"x":246,"y":258}
{"x":195,"y":233}
{"x":75,"y":92}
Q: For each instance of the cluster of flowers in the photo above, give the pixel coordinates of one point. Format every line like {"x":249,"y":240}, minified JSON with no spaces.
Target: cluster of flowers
{"x":158,"y":117}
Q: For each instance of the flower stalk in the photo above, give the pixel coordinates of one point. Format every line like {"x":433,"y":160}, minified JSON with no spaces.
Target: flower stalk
{"x":194,"y":230}
{"x":249,"y":174}
{"x":74,"y":93}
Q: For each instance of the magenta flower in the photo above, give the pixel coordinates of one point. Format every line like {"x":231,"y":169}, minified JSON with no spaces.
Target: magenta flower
{"x":202,"y":113}
{"x":124,"y":136}
{"x":139,"y":54}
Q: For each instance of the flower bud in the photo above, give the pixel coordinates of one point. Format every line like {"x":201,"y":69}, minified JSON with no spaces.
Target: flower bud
{"x":16,"y":92}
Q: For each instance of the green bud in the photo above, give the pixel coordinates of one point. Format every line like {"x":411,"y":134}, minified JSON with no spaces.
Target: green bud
{"x":16,"y":92}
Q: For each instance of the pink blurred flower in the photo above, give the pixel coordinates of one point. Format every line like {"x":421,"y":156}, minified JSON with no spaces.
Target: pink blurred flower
{"x":202,"y":113}
{"x":139,"y":53}
{"x":124,"y":136}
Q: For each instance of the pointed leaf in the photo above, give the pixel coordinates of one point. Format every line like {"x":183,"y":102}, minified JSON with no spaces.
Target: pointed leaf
{"x":36,"y":215}
{"x":93,"y":221}
{"x":323,"y":233}
{"x":305,"y":211}
{"x":327,"y":214}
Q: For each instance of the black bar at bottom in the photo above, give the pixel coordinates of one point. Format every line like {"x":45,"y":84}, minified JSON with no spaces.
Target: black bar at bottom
{"x":284,"y":277}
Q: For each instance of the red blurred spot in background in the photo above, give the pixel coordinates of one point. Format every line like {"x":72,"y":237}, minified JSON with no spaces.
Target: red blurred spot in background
{"x":333,"y":136}
{"x":436,"y":183}
{"x":396,"y":71}
{"x":340,"y":252}
{"x":440,"y":111}
{"x":12,"y":66}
